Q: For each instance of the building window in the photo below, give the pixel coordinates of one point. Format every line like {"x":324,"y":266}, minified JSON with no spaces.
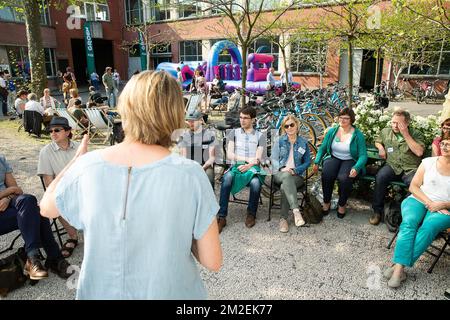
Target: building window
{"x":308,"y":56}
{"x":101,"y":12}
{"x":133,"y":12}
{"x":50,"y":62}
{"x":191,"y":50}
{"x":160,"y":10}
{"x":92,"y":11}
{"x":19,"y":62}
{"x":435,"y":60}
{"x":45,"y":16}
{"x":265,"y":46}
{"x":189,"y":9}
{"x":10,"y":14}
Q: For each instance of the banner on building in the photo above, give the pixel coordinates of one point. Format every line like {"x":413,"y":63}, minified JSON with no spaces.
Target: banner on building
{"x":89,"y":48}
{"x":143,"y":52}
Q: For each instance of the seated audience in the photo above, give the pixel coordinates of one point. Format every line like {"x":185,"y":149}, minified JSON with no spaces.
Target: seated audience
{"x":198,"y":144}
{"x":445,"y":133}
{"x":19,"y":211}
{"x":20,"y":102}
{"x":74,"y":96}
{"x":245,"y":150}
{"x":403,"y":148}
{"x":344,"y":155}
{"x":52,"y":160}
{"x":290,"y":158}
{"x":33,"y":104}
{"x":424,"y":214}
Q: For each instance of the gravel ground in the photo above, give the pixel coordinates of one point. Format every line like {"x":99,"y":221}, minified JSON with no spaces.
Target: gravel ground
{"x":337,"y":259}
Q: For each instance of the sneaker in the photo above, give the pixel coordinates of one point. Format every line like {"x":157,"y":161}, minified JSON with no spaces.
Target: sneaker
{"x":250,"y":221}
{"x":34,"y":269}
{"x":375,"y":218}
{"x":284,"y":226}
{"x":395,"y":282}
{"x":59,"y":266}
{"x":298,"y":218}
{"x":221,"y":222}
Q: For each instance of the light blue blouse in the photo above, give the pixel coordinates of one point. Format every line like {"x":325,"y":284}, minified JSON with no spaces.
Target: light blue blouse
{"x":137,"y":239}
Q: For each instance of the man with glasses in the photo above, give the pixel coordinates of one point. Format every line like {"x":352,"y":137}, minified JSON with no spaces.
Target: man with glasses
{"x":245,"y":150}
{"x":403,"y":148}
{"x":52,"y":160}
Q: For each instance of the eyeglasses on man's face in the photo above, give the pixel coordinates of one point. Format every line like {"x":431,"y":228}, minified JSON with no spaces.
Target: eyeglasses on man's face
{"x":245,"y":118}
{"x":56,"y":130}
{"x":290,"y":125}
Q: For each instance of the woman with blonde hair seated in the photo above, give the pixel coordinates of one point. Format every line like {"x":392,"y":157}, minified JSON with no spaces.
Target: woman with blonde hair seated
{"x":143,"y":210}
{"x":290,"y":159}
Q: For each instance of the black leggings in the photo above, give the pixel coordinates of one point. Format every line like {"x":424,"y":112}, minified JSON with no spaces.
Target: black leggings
{"x":334,"y":168}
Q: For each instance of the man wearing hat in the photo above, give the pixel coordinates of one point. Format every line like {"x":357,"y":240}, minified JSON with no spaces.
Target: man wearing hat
{"x":198,"y":144}
{"x":52,"y":160}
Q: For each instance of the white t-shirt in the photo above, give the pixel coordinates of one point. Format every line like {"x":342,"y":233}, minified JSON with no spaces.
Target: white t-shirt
{"x":34,"y":106}
{"x":2,"y":82}
{"x":435,"y":186}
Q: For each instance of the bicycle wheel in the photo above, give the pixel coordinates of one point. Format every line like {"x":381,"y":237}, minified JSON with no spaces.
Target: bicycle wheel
{"x":317,"y":123}
{"x":326,"y":115}
{"x":307,"y":132}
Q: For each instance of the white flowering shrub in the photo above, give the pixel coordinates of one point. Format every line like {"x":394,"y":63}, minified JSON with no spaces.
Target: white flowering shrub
{"x":370,"y":120}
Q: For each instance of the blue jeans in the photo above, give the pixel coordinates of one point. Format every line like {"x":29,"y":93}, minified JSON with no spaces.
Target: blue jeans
{"x":225,"y":190}
{"x":23,"y":214}
{"x":418,"y":230}
{"x":111,"y":98}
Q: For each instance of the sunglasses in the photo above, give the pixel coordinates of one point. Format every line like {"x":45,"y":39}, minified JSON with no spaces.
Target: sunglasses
{"x":286,"y":126}
{"x":55,"y":130}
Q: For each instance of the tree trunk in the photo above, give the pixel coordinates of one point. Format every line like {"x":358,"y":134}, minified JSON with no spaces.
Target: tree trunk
{"x":350,"y":73}
{"x":244,"y":73}
{"x":286,"y":75}
{"x":35,"y":47}
{"x":377,"y":69}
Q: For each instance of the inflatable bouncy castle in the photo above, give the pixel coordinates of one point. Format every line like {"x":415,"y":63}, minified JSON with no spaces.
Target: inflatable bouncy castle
{"x":230,"y":73}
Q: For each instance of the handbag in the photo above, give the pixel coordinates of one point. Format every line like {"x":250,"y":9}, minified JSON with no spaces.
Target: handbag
{"x":11,"y":272}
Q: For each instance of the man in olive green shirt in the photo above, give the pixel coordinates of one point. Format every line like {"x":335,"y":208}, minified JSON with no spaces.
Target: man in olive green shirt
{"x":110,"y":87}
{"x":402,"y":148}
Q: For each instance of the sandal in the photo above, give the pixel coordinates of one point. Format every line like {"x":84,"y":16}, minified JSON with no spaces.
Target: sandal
{"x":69,"y":249}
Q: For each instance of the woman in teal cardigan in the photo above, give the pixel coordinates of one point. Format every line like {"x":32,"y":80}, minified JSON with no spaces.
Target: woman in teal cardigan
{"x":344,"y":155}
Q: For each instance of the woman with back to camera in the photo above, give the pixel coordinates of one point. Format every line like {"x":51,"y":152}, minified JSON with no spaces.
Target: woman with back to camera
{"x":143,"y":210}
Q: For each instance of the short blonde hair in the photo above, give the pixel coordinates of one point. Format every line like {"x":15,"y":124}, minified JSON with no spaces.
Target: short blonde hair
{"x":286,"y":119}
{"x":152,"y":108}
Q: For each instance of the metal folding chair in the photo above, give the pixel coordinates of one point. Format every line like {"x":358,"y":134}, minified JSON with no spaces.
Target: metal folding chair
{"x":444,"y":235}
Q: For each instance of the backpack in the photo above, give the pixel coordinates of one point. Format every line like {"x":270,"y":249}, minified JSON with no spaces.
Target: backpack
{"x":312,"y":210}
{"x":11,"y":272}
{"x":393,"y":215}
